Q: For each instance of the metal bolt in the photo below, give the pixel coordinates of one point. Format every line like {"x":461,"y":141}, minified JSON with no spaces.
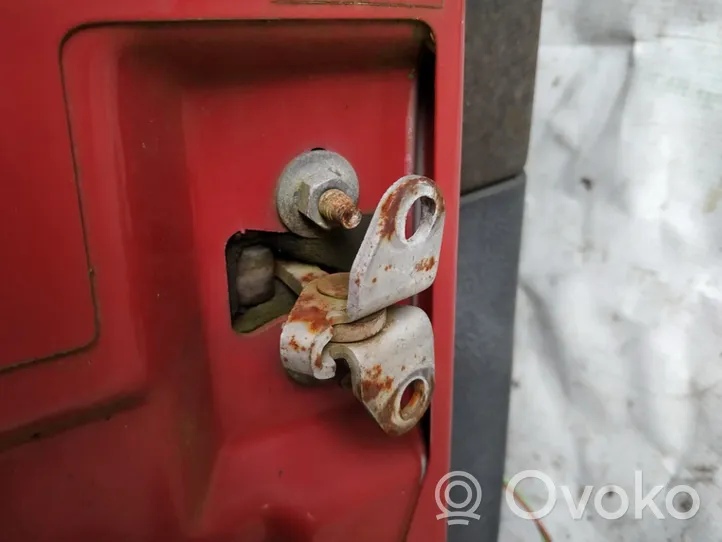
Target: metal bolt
{"x":336,"y":206}
{"x":302,"y":184}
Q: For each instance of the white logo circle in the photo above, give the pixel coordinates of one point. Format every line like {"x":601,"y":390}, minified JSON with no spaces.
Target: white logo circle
{"x":551,"y":494}
{"x":458,"y":478}
{"x":693,"y":507}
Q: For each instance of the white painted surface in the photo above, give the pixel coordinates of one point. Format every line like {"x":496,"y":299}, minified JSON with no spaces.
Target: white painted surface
{"x":618,"y":363}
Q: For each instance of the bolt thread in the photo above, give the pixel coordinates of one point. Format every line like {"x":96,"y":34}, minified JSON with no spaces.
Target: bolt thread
{"x":336,"y":206}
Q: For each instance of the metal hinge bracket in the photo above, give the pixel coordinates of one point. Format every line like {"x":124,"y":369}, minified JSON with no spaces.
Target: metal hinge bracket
{"x":389,"y":349}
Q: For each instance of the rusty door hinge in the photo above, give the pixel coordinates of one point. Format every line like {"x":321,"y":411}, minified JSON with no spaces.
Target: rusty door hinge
{"x":389,"y":349}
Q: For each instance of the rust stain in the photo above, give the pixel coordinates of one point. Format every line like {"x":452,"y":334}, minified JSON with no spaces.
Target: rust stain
{"x":293,"y":343}
{"x":306,"y":310}
{"x":387,"y":267}
{"x":336,"y":206}
{"x":403,"y":367}
{"x":374,"y":383}
{"x":374,"y":280}
{"x":357,"y":280}
{"x":371,"y":388}
{"x":440,"y":203}
{"x":427,"y":264}
{"x":318,"y":362}
{"x":310,"y":277}
{"x":385,"y":419}
{"x":390,"y":207}
{"x":413,"y":399}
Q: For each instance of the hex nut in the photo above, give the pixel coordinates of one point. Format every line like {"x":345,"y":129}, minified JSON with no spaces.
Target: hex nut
{"x":303,"y":182}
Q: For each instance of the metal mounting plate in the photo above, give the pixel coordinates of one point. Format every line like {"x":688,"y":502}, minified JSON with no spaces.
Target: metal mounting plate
{"x":384,"y":366}
{"x":390,"y":266}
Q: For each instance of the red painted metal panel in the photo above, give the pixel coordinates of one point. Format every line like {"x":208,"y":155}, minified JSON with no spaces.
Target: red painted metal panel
{"x":383,"y":3}
{"x":170,"y":426}
{"x":44,"y":284}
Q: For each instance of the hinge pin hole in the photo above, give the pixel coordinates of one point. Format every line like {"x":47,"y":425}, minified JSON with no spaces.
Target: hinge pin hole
{"x":420,"y":218}
{"x":412,"y":398}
